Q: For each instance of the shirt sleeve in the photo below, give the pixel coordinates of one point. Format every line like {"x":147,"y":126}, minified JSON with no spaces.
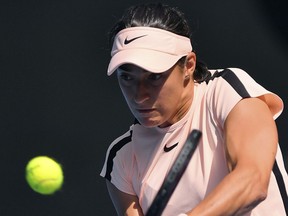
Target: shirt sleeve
{"x":234,"y":85}
{"x":118,"y":165}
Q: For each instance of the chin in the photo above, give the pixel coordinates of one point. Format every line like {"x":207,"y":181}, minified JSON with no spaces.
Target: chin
{"x":149,"y":123}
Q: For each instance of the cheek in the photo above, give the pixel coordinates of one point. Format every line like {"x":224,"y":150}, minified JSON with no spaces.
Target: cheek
{"x":127,"y":93}
{"x":168,"y":99}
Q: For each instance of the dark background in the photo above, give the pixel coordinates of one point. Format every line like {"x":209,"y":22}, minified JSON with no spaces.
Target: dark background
{"x":56,"y":100}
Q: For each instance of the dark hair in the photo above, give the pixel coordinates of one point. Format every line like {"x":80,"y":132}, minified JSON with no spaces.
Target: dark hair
{"x":160,"y":16}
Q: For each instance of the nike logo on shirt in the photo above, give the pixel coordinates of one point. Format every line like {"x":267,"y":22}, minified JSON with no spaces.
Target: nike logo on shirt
{"x":167,"y":149}
{"x":126,"y":41}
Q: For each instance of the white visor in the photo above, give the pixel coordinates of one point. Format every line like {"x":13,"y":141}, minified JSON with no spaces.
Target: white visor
{"x":152,"y":49}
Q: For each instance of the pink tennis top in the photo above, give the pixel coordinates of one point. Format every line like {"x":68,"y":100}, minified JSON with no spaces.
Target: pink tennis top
{"x":138,"y":161}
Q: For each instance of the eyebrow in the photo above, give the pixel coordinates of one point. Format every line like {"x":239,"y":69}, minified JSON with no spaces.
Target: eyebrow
{"x":125,"y":67}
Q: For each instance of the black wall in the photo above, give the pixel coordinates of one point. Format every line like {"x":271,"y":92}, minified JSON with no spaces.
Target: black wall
{"x":56,"y":100}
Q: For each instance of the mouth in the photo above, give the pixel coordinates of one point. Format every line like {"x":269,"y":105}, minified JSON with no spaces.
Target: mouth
{"x":145,"y":111}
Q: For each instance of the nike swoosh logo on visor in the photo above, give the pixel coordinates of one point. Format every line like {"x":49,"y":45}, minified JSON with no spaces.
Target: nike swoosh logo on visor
{"x":126,"y":41}
{"x":167,"y":149}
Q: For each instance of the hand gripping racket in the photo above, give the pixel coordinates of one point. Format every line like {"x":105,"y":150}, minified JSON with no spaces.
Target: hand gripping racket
{"x":175,"y":173}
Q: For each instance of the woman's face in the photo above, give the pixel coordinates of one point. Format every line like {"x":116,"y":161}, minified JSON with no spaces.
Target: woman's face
{"x":156,"y":99}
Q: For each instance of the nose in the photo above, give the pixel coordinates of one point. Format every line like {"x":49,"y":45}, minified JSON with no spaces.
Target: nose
{"x":141,"y":92}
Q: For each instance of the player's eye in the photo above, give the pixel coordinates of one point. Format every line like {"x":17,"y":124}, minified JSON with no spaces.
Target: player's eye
{"x":154,"y":76}
{"x":125,"y":77}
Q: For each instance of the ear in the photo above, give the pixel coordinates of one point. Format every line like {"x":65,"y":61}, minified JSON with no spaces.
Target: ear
{"x":190,"y":64}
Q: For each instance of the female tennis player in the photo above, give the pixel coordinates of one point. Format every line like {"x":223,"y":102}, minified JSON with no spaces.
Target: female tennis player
{"x":237,"y":168}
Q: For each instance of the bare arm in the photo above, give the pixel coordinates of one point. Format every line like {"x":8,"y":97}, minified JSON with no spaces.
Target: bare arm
{"x":125,"y":204}
{"x":251,"y":142}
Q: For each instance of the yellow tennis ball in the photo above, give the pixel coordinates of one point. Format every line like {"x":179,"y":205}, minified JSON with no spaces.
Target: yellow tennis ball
{"x":44,"y":175}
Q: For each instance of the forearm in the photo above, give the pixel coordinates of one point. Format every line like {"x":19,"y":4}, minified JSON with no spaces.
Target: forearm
{"x":125,"y":204}
{"x":238,"y":193}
